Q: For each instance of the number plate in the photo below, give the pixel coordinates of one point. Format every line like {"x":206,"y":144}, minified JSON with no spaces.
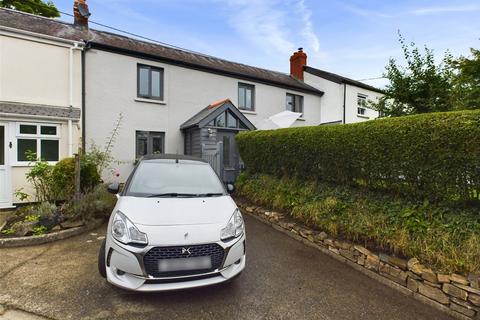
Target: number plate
{"x":182,"y":264}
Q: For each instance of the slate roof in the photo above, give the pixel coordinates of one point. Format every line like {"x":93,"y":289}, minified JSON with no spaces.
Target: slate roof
{"x":340,"y":79}
{"x":121,"y":44}
{"x":198,"y":119}
{"x":15,"y":108}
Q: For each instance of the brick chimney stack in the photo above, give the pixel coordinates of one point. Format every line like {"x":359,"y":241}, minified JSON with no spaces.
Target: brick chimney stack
{"x":80,"y":13}
{"x":297,"y":61}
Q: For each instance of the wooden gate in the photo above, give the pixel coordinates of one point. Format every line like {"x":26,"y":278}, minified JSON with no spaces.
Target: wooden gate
{"x":213,"y":154}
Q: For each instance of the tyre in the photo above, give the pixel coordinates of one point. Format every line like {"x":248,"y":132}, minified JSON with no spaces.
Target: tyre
{"x":102,"y":268}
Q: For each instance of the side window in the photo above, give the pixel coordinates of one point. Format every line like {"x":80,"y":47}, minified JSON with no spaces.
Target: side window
{"x":226,"y":151}
{"x":149,"y":142}
{"x":150,"y":82}
{"x":294,"y":103}
{"x":361,"y":104}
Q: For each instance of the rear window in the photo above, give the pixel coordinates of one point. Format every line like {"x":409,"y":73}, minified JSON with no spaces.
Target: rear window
{"x":162,"y":177}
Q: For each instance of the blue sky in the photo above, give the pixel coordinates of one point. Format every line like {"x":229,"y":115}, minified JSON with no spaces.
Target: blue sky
{"x":353,"y":38}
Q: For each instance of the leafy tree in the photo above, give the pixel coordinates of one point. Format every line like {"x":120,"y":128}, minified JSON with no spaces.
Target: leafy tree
{"x":420,"y":86}
{"x":467,"y":81}
{"x":38,"y":7}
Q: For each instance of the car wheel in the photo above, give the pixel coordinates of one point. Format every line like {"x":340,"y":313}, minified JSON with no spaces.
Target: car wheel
{"x":102,"y":268}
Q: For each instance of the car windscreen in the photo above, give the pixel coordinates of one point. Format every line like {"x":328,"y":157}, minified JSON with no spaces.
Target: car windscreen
{"x":170,"y":179}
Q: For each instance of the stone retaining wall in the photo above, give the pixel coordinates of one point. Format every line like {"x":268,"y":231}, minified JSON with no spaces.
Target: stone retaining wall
{"x":456,"y":294}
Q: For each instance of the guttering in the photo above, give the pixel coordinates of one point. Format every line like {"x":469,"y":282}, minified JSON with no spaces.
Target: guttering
{"x":147,"y":56}
{"x":47,"y":39}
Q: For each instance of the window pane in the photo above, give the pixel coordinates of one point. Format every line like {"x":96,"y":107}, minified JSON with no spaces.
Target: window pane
{"x":156,"y":84}
{"x":50,"y":130}
{"x":248,"y":99}
{"x":220,"y":120}
{"x":24,"y":146}
{"x":241,"y":97}
{"x":143,"y":81}
{"x":49,"y":150}
{"x":28,"y":129}
{"x":157,"y":145}
{"x":290,"y":103}
{"x":226,"y":150}
{"x":299,"y":104}
{"x":142,"y":143}
{"x":231,"y":120}
{"x":2,"y":145}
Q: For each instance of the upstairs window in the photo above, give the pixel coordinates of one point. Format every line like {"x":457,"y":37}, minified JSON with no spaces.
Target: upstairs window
{"x":40,"y":140}
{"x":246,"y":96}
{"x":150,"y":82}
{"x":361,"y":104}
{"x":295,"y":103}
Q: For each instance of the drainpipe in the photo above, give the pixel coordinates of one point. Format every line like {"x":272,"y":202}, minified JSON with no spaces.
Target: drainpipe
{"x":84,"y":51}
{"x":344,"y":101}
{"x":70,"y":124}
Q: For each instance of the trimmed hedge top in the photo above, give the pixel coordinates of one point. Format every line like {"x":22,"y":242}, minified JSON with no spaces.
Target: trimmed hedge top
{"x":432,"y":156}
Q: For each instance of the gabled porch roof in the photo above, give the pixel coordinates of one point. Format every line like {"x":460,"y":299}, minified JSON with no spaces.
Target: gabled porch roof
{"x":212,"y":111}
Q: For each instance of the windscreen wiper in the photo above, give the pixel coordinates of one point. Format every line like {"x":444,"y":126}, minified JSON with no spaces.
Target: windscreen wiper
{"x":171,"y":194}
{"x":209,"y":194}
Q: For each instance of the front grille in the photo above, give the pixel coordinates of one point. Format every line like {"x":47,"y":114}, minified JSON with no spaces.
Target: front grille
{"x":152,"y":257}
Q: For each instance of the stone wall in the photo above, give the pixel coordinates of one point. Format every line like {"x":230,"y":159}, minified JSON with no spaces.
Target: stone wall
{"x":456,"y":294}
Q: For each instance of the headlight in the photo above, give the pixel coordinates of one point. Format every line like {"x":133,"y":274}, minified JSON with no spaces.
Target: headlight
{"x":125,"y":231}
{"x":234,"y":228}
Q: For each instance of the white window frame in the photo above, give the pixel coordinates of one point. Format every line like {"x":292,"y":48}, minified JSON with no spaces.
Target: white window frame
{"x":360,"y":106}
{"x":38,"y":137}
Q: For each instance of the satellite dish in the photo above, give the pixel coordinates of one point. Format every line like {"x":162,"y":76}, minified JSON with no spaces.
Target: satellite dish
{"x":83,"y":9}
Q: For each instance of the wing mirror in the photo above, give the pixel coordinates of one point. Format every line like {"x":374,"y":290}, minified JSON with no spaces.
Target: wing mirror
{"x":114,"y":187}
{"x":230,"y":188}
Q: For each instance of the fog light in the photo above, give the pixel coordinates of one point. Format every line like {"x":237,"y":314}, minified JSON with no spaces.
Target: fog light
{"x":120,"y":272}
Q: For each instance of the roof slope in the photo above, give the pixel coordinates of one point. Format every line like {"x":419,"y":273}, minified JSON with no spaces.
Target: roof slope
{"x":122,"y":44}
{"x":340,"y":79}
{"x":213,"y":110}
{"x":17,"y":108}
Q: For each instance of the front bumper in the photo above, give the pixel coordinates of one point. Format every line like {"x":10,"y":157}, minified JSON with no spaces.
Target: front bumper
{"x":125,"y":268}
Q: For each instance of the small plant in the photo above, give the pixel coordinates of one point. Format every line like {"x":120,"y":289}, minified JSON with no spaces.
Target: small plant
{"x":8,"y":231}
{"x":32,"y":218}
{"x":39,"y":230}
{"x":21,"y":195}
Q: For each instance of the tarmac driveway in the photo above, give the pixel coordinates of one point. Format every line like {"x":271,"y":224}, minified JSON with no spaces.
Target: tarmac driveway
{"x":284,"y":279}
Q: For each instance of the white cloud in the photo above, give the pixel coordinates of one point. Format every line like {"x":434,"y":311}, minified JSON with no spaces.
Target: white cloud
{"x":439,"y":10}
{"x":274,"y":26}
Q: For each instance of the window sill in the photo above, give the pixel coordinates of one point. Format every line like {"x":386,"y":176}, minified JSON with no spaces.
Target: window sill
{"x":163,"y":102}
{"x":247,"y":111}
{"x":29,"y":164}
{"x":362,"y":116}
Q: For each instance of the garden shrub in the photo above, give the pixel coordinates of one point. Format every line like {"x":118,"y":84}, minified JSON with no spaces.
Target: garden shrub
{"x":429,"y":156}
{"x":98,"y":203}
{"x":63,"y":177}
{"x":446,"y":238}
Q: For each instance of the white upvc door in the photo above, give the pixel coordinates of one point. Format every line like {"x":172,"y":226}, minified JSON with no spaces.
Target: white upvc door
{"x":5,"y":187}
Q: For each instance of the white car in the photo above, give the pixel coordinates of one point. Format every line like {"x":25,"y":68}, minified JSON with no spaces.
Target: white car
{"x":174,"y":226}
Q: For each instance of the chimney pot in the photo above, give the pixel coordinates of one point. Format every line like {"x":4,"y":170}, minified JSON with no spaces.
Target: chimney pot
{"x":80,"y":13}
{"x":297,"y":62}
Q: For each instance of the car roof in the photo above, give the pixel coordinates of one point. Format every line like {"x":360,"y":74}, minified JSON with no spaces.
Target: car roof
{"x":167,"y":156}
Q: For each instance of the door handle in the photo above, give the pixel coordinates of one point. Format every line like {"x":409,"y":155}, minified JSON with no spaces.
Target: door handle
{"x":10,"y":144}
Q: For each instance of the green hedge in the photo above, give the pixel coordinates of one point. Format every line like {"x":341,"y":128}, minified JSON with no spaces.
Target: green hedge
{"x":445,"y":238}
{"x":430,"y":156}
